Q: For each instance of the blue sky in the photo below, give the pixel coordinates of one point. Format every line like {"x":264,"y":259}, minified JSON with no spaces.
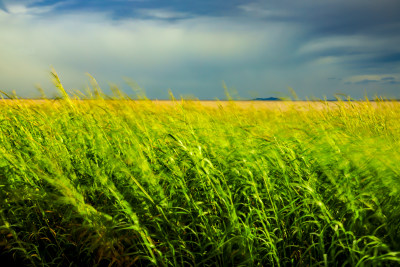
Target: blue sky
{"x":259,"y":48}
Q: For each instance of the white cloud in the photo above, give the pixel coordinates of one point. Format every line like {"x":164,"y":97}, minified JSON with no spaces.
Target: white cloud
{"x":336,"y":42}
{"x":374,"y":77}
{"x":26,"y":7}
{"x":83,"y":42}
{"x":345,"y":43}
{"x":162,"y":14}
{"x":255,"y":9}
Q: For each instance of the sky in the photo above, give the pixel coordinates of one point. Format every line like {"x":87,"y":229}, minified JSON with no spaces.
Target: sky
{"x":258,"y":48}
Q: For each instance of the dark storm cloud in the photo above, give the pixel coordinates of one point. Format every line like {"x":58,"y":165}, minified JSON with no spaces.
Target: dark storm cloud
{"x":2,"y":6}
{"x":389,"y":57}
{"x":388,"y":79}
{"x":366,"y":81}
{"x":374,"y":79}
{"x":191,"y":46}
{"x":331,"y":16}
{"x":376,"y":22}
{"x":120,"y":9}
{"x":393,"y":82}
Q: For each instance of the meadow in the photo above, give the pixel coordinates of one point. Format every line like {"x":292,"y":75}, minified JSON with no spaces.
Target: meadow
{"x":186,"y":183}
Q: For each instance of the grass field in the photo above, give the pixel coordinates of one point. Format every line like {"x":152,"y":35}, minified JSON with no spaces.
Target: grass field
{"x":191,"y":183}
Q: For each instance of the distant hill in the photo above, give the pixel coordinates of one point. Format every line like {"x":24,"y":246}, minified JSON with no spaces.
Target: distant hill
{"x":267,"y":99}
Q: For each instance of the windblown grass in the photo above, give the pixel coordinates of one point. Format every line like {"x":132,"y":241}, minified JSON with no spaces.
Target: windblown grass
{"x":119,"y":182}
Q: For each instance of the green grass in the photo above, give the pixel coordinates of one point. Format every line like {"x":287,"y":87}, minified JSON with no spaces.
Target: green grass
{"x":119,"y":182}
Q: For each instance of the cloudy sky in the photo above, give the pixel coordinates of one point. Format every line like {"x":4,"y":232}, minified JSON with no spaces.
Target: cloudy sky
{"x":259,"y":48}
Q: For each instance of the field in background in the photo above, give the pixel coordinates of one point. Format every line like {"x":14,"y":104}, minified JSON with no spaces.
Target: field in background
{"x":246,"y":104}
{"x":176,"y":183}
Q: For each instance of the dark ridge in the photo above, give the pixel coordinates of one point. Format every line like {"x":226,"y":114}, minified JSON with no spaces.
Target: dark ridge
{"x":267,"y":99}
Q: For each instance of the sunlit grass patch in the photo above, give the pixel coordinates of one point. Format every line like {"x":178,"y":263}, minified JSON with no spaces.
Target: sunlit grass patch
{"x":125,"y":182}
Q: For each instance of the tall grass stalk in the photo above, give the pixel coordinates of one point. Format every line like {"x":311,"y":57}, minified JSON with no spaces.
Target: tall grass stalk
{"x":122,"y":182}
